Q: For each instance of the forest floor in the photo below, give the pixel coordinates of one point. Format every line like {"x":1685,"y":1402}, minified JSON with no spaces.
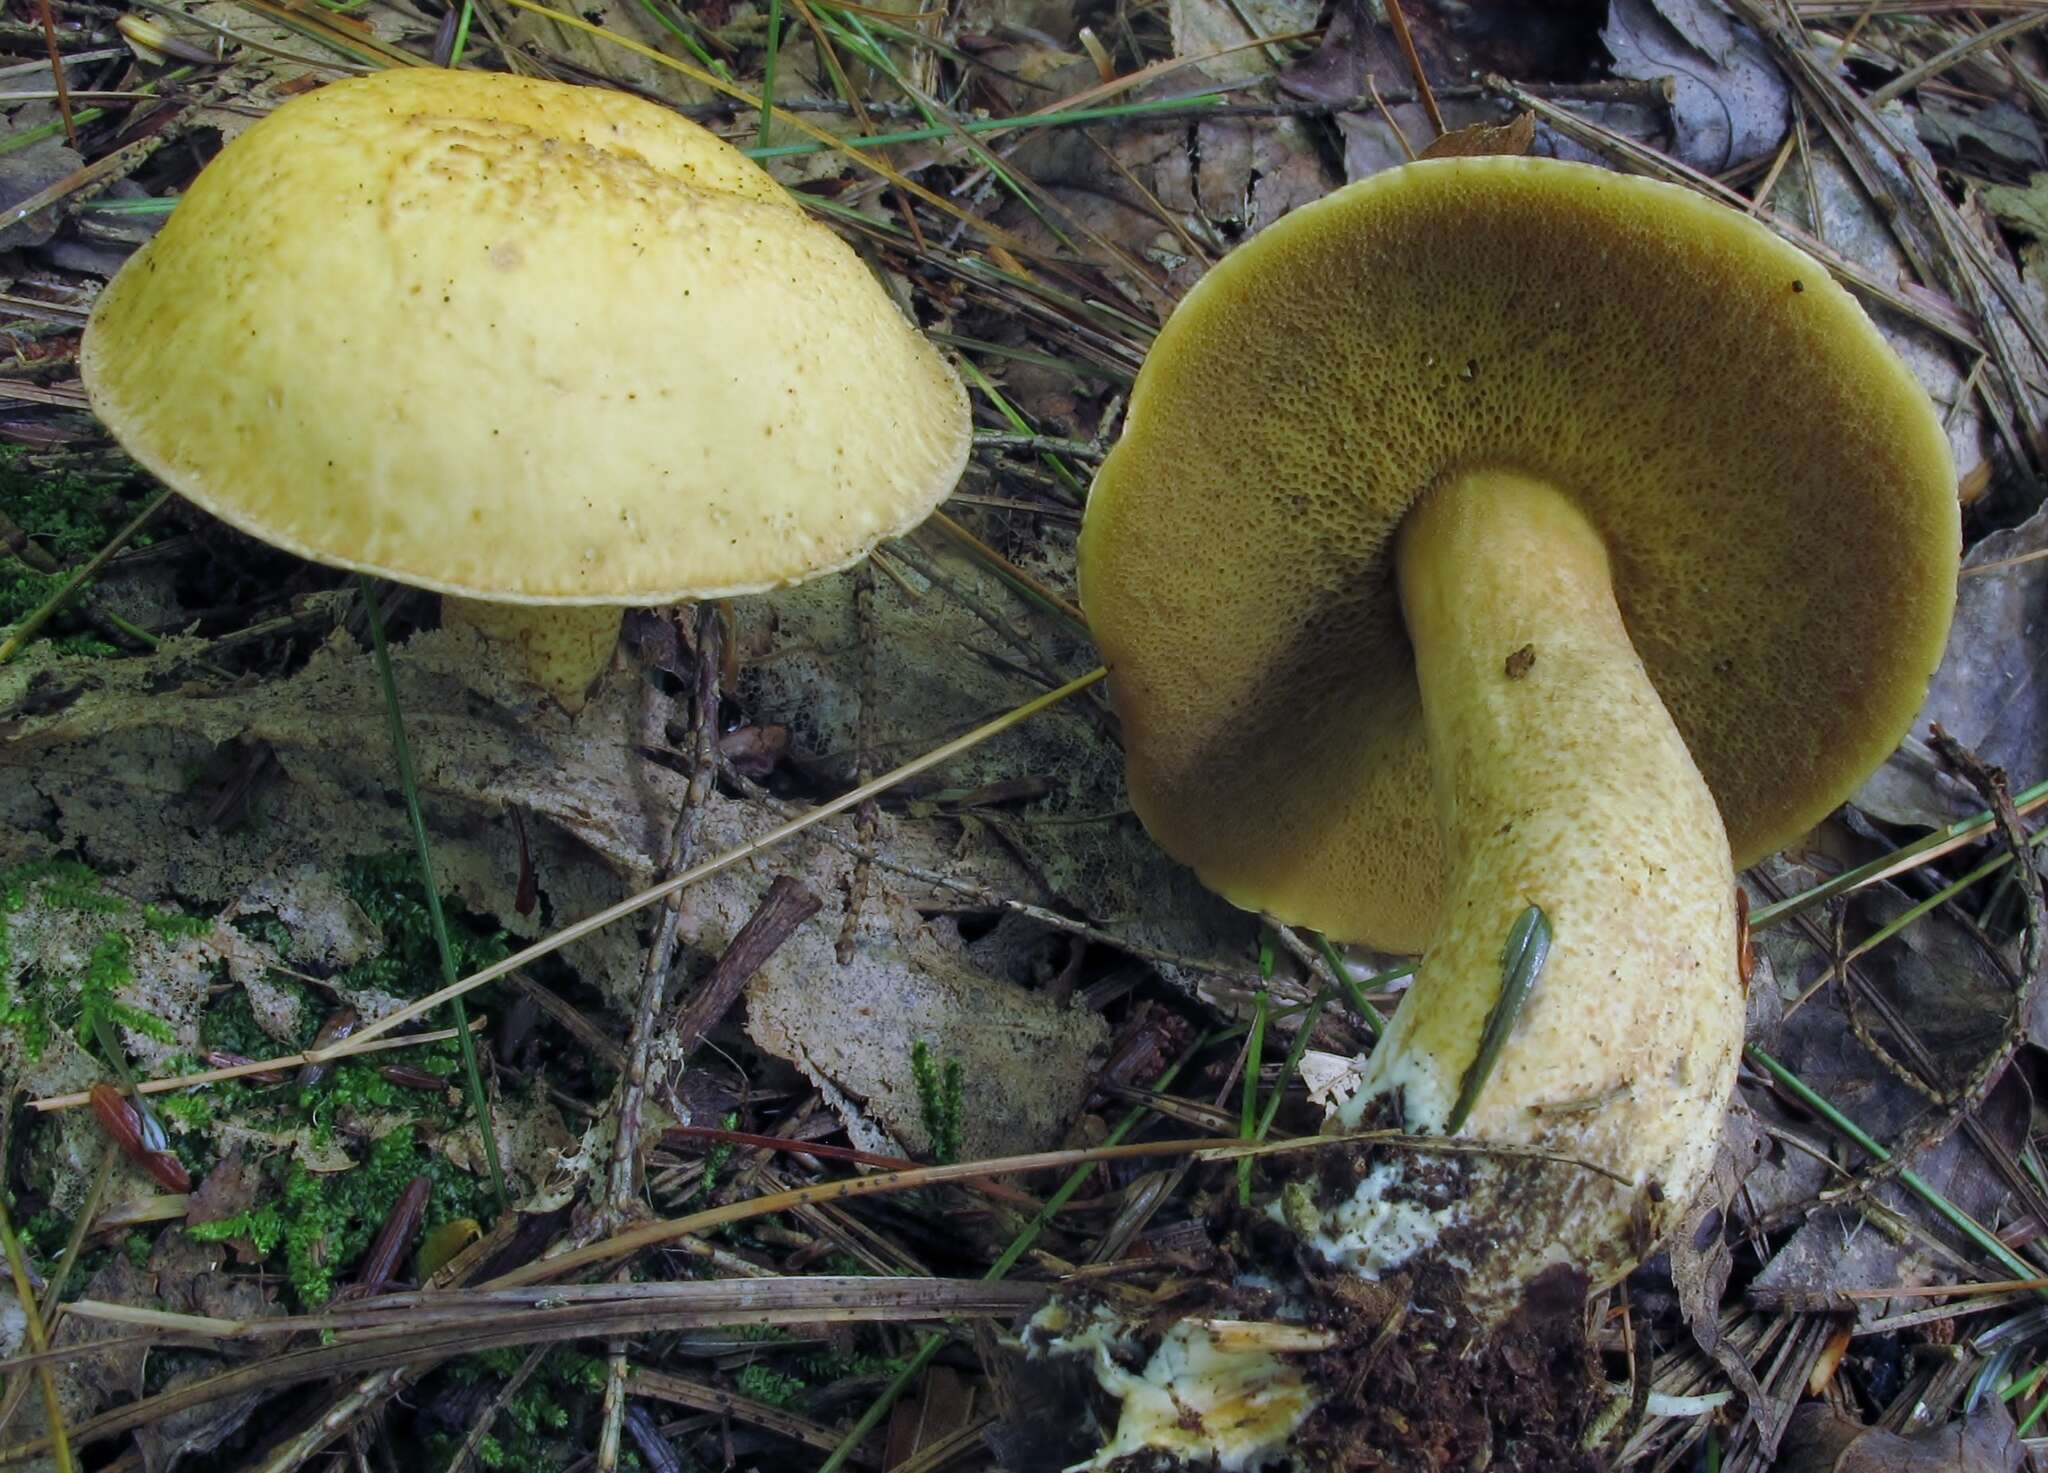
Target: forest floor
{"x":728,"y":1213}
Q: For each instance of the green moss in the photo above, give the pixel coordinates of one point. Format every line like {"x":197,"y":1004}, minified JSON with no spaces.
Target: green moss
{"x":322,"y":1223}
{"x":387,"y":888}
{"x":535,"y":1429}
{"x":714,"y":1162}
{"x":170,"y":925}
{"x":771,"y":1386}
{"x":70,"y":516}
{"x":42,"y":1001}
{"x":939,"y":1093}
{"x":230,"y":1022}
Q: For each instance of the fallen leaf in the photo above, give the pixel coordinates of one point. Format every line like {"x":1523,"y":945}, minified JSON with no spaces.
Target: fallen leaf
{"x":1203,"y":27}
{"x":28,"y":173}
{"x":1822,"y":1440}
{"x":227,"y":1191}
{"x":1026,"y":1061}
{"x":2001,"y":130}
{"x":1731,"y":104}
{"x":1701,"y":1258}
{"x":1987,"y":692}
{"x":2023,"y":208}
{"x":1479,"y":139}
{"x":1935,"y":979}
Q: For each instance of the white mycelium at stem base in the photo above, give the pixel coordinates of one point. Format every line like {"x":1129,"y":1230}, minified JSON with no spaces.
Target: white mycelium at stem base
{"x":1561,"y":783}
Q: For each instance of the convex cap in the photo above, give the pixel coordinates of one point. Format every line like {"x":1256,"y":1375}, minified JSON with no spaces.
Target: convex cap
{"x":525,"y":342}
{"x":1776,"y":499}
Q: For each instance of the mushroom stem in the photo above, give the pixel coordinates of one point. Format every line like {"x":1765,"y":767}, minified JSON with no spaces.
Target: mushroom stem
{"x":1562,"y":783}
{"x":562,"y":648}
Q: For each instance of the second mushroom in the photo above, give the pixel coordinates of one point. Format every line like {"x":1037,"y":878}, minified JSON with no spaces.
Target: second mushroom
{"x":1502,"y":538}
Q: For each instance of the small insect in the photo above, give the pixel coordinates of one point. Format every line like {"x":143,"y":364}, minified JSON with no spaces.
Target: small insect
{"x":335,"y":1027}
{"x":1521,"y":661}
{"x":140,"y":1135}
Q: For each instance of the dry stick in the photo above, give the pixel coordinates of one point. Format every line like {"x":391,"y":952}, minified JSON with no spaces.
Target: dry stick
{"x":1200,"y":1150}
{"x":408,"y":1349}
{"x":786,"y":906}
{"x":680,"y":1391}
{"x":498,"y":1403}
{"x":625,"y":1183}
{"x":867,"y":815}
{"x":1838,"y":1300}
{"x":57,"y":72}
{"x":530,"y":1312}
{"x":1407,"y":41}
{"x":1002,"y":564}
{"x":1934,"y":66}
{"x":264,"y":1066}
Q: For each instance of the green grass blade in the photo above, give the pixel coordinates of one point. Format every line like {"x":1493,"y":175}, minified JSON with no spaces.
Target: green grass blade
{"x":1248,"y":1111}
{"x":1963,"y":1223}
{"x":1021,"y":1244}
{"x":409,"y":782}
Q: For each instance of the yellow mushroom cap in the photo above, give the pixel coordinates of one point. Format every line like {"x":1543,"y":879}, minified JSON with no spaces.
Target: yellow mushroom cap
{"x":1774,"y":489}
{"x":525,"y":342}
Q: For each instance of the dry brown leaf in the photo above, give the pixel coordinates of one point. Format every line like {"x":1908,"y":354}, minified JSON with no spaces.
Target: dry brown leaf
{"x":1822,"y":1440}
{"x":1512,"y":138}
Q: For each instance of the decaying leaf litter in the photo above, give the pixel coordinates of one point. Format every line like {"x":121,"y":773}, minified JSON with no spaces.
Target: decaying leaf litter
{"x":205,"y":848}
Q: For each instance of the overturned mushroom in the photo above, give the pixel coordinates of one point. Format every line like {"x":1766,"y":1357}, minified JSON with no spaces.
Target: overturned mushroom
{"x":549,"y":350}
{"x":1484,"y":538}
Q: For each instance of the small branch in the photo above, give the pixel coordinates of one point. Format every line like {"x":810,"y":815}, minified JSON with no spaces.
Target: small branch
{"x":786,"y":906}
{"x":661,"y":951}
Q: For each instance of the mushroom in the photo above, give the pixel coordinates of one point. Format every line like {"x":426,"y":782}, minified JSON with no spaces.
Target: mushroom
{"x":1500,"y":539}
{"x":548,"y":350}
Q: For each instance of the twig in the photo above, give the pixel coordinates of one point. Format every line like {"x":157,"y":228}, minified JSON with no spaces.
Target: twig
{"x":29,"y":627}
{"x":1407,"y":44}
{"x":63,"y":85}
{"x":661,"y":950}
{"x":867,"y":815}
{"x":482,"y":1426}
{"x":1961,"y":1104}
{"x":786,"y":906}
{"x":1935,"y":65}
{"x":343,"y":1050}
